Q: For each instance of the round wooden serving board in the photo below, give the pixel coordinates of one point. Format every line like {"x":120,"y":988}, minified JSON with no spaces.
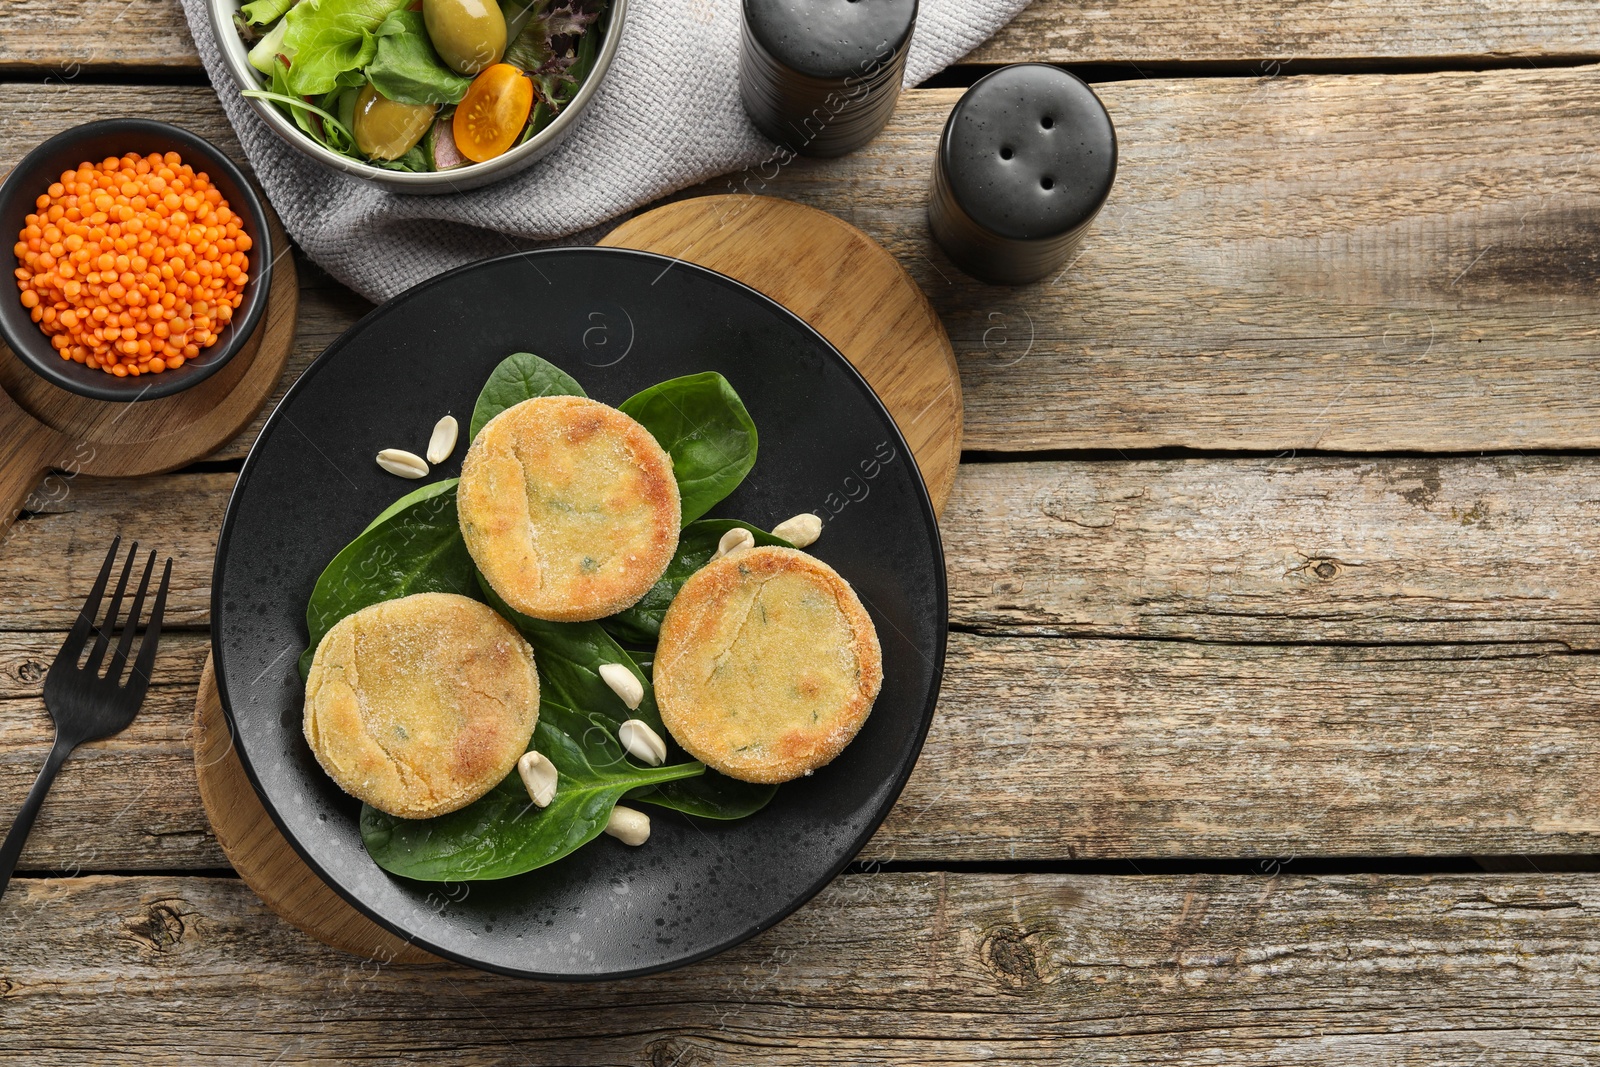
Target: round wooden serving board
{"x":45,"y":427}
{"x":846,"y":285}
{"x":264,"y":859}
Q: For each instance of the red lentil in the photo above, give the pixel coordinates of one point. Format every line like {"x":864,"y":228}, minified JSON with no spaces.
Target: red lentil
{"x":132,"y":265}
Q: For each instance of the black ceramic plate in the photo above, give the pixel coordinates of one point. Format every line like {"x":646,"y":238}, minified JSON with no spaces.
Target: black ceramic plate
{"x":617,"y":321}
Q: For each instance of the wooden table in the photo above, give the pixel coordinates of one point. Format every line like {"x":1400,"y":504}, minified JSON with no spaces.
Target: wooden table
{"x":1273,"y":599}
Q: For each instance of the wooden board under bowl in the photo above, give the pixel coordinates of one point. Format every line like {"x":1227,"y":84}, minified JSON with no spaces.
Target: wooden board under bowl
{"x":47,"y":428}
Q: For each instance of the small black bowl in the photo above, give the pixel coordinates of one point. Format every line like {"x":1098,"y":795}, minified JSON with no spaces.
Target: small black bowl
{"x":95,"y":141}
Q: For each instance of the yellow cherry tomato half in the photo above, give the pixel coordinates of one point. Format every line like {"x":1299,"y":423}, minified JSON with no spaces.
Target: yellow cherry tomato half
{"x":492,"y":114}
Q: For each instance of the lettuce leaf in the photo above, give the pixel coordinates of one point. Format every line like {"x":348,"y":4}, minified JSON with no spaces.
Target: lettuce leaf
{"x":261,"y":12}
{"x":406,"y":67}
{"x":332,"y":41}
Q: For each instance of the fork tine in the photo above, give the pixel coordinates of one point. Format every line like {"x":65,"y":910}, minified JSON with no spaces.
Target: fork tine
{"x":139,"y":678}
{"x":119,"y":658}
{"x":91,"y":607}
{"x":103,"y":631}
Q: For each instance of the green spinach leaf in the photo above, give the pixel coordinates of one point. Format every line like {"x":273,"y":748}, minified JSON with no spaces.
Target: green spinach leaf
{"x":504,"y":834}
{"x":569,"y":655}
{"x":520,"y":376}
{"x":427,"y":492}
{"x":414,"y":546}
{"x":330,"y":38}
{"x":701,"y":421}
{"x":711,"y":796}
{"x":406,"y":68}
{"x":640,"y":625}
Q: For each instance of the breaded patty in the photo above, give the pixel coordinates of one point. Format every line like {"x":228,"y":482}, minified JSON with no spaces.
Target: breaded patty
{"x":421,"y":705}
{"x":767,"y":665}
{"x":569,"y":508}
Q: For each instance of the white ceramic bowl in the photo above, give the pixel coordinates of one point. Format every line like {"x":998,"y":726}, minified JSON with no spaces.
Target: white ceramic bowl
{"x":460,"y":179}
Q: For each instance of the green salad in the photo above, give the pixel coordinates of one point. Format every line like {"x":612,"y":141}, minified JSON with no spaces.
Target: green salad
{"x":421,"y":85}
{"x":415,"y":546}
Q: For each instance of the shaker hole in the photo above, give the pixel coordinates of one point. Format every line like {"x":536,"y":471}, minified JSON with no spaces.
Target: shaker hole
{"x":1047,"y":122}
{"x":1047,"y":182}
{"x":1006,"y":152}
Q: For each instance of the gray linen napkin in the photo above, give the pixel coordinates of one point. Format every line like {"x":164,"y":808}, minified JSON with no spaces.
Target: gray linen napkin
{"x":667,"y":115}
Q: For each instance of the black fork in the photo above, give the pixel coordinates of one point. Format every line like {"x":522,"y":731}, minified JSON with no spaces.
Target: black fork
{"x":86,"y":702}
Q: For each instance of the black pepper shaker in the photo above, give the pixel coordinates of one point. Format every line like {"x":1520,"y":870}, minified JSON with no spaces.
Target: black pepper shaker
{"x":1026,"y":161}
{"x":822,"y":76}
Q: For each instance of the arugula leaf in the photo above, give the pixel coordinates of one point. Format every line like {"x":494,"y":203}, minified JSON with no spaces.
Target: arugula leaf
{"x":302,"y":110}
{"x":569,"y":655}
{"x":330,"y":38}
{"x":407,"y":69}
{"x":640,"y":625}
{"x":520,"y":376}
{"x":342,"y":102}
{"x":504,"y":834}
{"x":414,"y":546}
{"x":701,"y":421}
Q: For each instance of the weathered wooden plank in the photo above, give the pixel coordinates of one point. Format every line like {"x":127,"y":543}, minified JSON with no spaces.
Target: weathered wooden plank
{"x":66,"y":40}
{"x":127,"y":802}
{"x":942,"y":968}
{"x":1050,"y":748}
{"x":50,"y":556}
{"x":1279,"y":268}
{"x":1275,"y":33}
{"x":1286,"y":549}
{"x":1107,"y":748}
{"x":149,"y":35}
{"x":36,"y":111}
{"x":1111,"y":749}
{"x":1282,"y":550}
{"x":1342,"y":263}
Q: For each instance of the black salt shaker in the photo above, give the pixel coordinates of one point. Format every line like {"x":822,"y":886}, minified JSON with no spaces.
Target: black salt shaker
{"x":822,"y":76}
{"x":1026,"y":161}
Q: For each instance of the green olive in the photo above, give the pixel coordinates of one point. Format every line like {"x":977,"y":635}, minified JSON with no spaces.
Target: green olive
{"x":469,"y":35}
{"x":387,"y":129}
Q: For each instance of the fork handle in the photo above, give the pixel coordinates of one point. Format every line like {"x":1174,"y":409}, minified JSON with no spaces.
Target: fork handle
{"x":12,"y":849}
